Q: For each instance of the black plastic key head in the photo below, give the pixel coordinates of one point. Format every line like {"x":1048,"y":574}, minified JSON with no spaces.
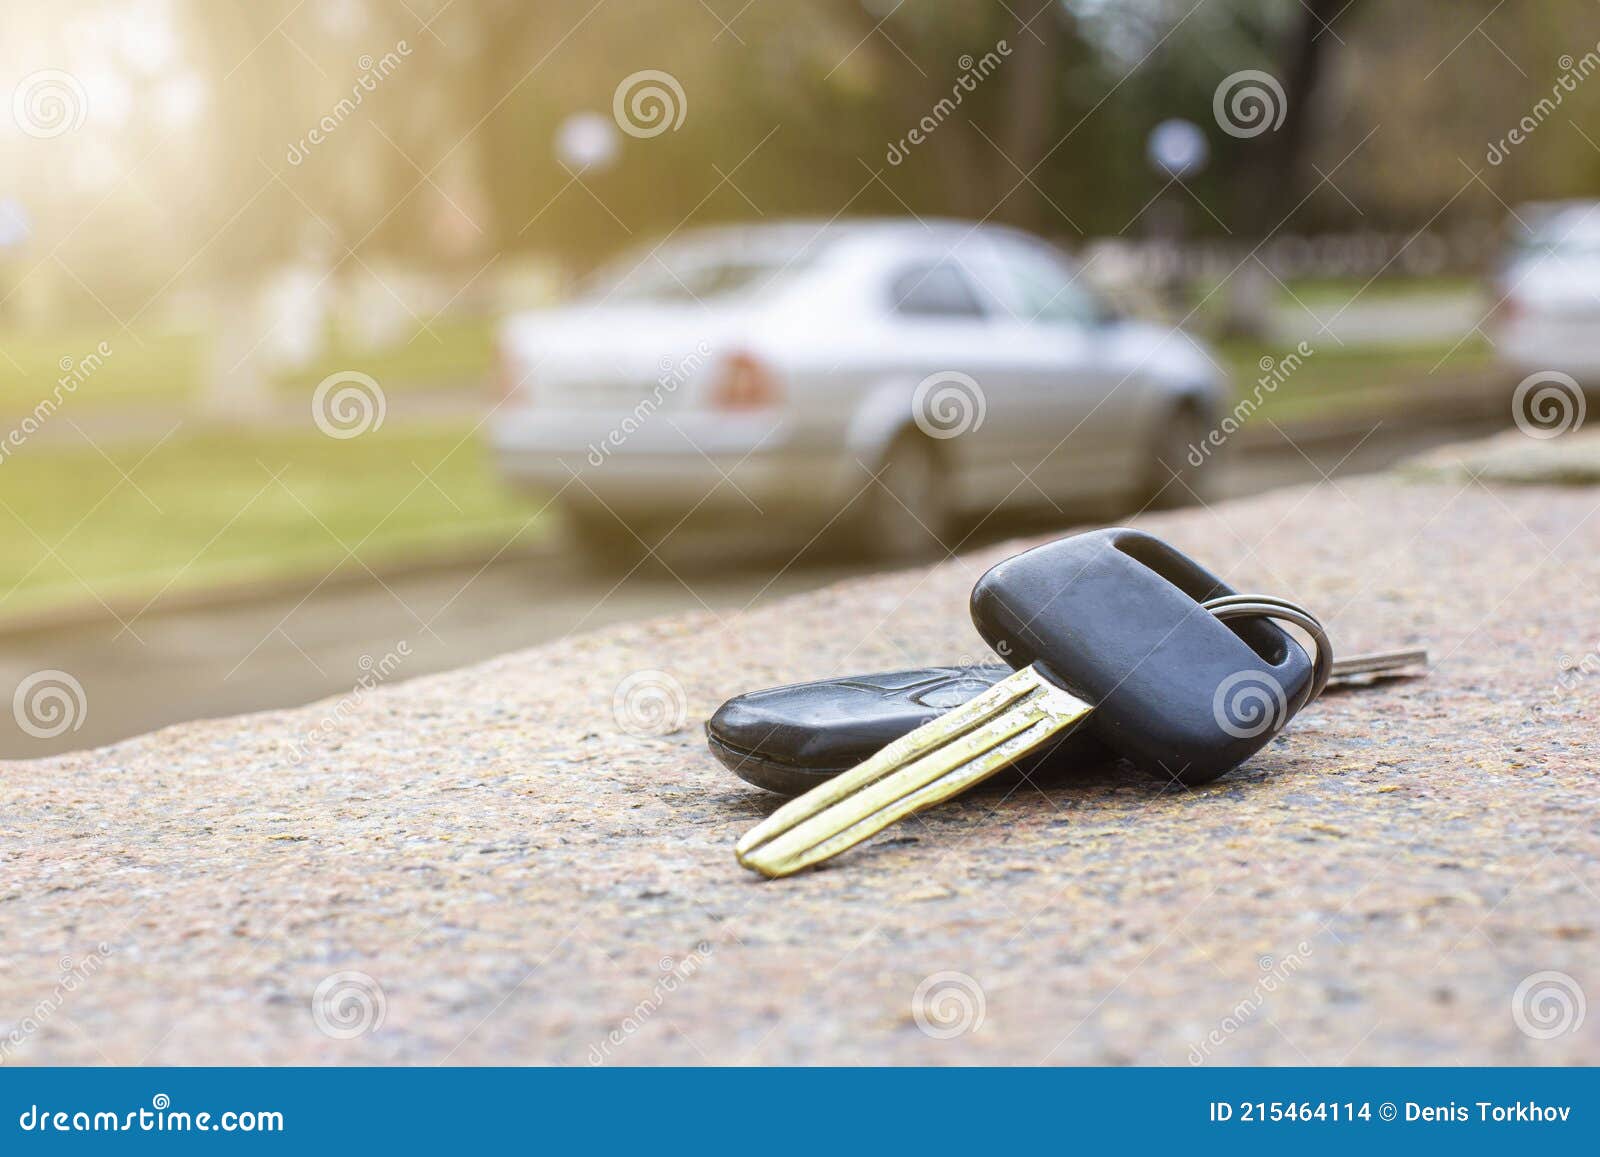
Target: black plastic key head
{"x":1114,"y":617}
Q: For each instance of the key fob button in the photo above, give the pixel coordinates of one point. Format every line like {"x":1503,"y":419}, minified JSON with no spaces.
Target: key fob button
{"x":950,"y":693}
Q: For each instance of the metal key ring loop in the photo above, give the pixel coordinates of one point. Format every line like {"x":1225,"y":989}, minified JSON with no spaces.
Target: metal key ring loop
{"x":1269,"y":606}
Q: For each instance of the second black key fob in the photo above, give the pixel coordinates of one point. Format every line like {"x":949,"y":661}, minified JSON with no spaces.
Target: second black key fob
{"x":789,"y":739}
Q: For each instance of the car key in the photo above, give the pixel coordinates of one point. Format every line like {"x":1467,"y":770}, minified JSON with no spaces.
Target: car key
{"x":789,"y":739}
{"x":1105,"y":628}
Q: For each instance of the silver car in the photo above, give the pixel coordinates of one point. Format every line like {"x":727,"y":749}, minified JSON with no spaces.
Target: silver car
{"x":888,"y":377}
{"x":1548,"y":288}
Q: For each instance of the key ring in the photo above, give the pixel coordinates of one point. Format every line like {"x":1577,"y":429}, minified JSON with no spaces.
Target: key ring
{"x":1271,"y":607}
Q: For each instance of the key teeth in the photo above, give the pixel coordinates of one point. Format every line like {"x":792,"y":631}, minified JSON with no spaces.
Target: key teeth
{"x":767,"y":872}
{"x":995,"y":702}
{"x":939,"y":760}
{"x":755,"y":862}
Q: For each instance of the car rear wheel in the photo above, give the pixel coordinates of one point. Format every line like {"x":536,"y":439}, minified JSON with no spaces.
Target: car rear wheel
{"x":907,"y":507}
{"x":1172,"y":478}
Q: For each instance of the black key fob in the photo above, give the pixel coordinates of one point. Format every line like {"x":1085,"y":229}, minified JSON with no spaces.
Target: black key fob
{"x":1115,"y":617}
{"x":789,"y":739}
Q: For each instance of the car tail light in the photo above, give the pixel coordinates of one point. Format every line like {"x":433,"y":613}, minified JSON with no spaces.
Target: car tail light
{"x":745,"y":383}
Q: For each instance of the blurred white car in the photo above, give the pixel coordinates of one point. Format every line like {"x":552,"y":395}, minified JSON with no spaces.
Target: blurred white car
{"x":1549,"y":291}
{"x":888,"y":376}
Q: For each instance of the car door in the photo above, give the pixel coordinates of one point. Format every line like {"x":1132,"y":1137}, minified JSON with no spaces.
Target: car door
{"x":1085,"y":409}
{"x":943,"y":337}
{"x":982,"y":368}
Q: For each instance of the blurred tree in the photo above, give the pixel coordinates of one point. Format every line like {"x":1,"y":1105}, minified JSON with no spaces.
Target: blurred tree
{"x":789,"y":110}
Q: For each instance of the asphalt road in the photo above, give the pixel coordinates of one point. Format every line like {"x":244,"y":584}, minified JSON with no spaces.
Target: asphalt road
{"x":284,"y":651}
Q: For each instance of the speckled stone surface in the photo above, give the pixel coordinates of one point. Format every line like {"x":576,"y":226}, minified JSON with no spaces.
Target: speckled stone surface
{"x":491,"y":861}
{"x":1569,"y":459}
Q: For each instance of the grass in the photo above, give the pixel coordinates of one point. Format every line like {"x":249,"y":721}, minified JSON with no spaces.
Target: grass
{"x":168,"y":368}
{"x":1337,"y":379}
{"x":1336,"y":292}
{"x":165,"y":368}
{"x":221,"y":506}
{"x":451,"y":352}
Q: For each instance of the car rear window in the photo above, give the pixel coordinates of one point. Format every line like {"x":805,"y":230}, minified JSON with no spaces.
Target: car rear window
{"x":934,"y":290}
{"x":694,"y":283}
{"x":1571,"y":231}
{"x":690,"y":272}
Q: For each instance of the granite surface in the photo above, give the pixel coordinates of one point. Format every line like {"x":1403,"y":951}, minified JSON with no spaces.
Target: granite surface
{"x":507,"y":863}
{"x":1569,"y":459}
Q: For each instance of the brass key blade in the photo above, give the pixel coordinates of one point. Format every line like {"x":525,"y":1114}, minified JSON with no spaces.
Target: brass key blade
{"x":1379,"y":663}
{"x":942,"y":758}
